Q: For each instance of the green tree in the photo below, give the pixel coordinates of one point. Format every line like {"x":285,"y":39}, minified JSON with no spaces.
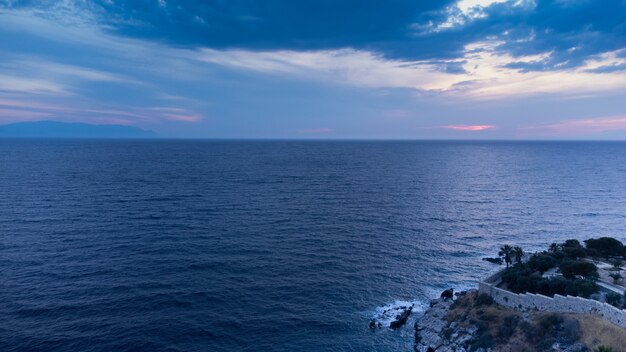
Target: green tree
{"x":572,"y":244}
{"x":572,"y":268}
{"x":518,"y":253}
{"x":573,"y":249}
{"x":506,"y":252}
{"x":605,"y":246}
{"x":541,"y":262}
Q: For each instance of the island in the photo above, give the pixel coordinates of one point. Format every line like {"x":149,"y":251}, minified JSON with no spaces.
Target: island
{"x":57,"y":129}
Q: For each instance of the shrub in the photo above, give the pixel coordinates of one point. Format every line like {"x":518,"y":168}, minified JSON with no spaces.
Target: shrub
{"x":528,"y":329}
{"x":572,"y":268}
{"x":542,"y":262}
{"x":604,"y":349}
{"x":483,"y":300}
{"x":506,"y":327}
{"x":571,"y":330}
{"x":521,"y":278}
{"x":572,"y":243}
{"x":606,"y":246}
{"x":581,"y":287}
{"x":575,"y":252}
{"x":484,"y":340}
{"x":549,"y":321}
{"x":614,"y":299}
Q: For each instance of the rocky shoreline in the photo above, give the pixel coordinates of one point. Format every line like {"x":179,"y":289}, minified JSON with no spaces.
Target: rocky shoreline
{"x":469,"y":321}
{"x":434,"y":333}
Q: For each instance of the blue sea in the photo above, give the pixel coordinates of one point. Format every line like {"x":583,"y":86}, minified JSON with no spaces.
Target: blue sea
{"x":165,"y":245}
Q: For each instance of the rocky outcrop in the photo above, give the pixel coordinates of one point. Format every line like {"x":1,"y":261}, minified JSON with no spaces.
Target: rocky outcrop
{"x":394,"y":317}
{"x":449,"y":293}
{"x":474,"y":322}
{"x":434,"y":333}
{"x":494,"y":260}
{"x":401,"y":318}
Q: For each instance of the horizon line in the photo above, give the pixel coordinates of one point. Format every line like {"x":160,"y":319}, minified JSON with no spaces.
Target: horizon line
{"x":290,"y":139}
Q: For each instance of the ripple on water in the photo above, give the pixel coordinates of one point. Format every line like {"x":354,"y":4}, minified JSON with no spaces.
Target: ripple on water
{"x":272,"y":246}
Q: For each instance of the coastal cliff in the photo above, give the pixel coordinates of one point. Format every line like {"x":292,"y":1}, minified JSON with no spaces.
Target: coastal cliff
{"x":473,"y":322}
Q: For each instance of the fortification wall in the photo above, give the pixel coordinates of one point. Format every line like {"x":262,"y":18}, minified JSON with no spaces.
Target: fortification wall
{"x":560,"y":304}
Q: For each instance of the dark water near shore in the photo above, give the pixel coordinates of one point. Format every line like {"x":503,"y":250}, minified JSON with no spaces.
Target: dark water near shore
{"x":272,"y":246}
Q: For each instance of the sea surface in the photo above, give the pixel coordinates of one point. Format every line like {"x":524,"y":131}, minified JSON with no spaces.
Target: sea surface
{"x":157,"y":245}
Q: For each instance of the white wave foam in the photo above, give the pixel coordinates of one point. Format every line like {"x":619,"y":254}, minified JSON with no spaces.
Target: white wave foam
{"x":384,"y":315}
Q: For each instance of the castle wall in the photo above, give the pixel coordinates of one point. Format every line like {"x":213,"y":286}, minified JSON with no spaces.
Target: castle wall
{"x":557,"y":304}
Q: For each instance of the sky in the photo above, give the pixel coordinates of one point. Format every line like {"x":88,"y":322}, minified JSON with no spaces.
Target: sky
{"x":320,"y":69}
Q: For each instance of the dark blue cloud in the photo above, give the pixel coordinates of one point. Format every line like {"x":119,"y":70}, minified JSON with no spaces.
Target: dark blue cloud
{"x":572,"y":30}
{"x":270,"y":24}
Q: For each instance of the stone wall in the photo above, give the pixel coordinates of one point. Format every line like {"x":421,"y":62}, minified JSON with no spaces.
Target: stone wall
{"x":561,"y":304}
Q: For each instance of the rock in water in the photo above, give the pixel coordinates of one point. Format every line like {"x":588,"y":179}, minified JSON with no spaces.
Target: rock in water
{"x":495,"y":260}
{"x":401,"y":318}
{"x":449,"y":293}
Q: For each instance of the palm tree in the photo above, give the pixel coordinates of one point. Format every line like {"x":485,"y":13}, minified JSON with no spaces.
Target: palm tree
{"x":506,"y":252}
{"x":518,"y":253}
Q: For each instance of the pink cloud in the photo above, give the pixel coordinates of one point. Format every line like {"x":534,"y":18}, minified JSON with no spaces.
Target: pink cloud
{"x":177,"y":114}
{"x":316,"y":131}
{"x":11,"y":115}
{"x":593,"y":125}
{"x":472,"y":128}
{"x":22,"y":110}
{"x":183,"y":117}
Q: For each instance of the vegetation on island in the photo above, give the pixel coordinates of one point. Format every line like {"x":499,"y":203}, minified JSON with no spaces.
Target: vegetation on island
{"x":566,"y":269}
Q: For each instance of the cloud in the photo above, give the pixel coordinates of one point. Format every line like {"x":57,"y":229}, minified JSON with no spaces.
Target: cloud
{"x":38,"y":67}
{"x":30,"y":75}
{"x":481,"y":71}
{"x":485,"y":73}
{"x":266,"y":25}
{"x":16,"y":115}
{"x":360,"y":68}
{"x":468,"y":128}
{"x":579,"y":127}
{"x":177,"y":114}
{"x":25,"y":110}
{"x":572,"y":31}
{"x":119,"y":68}
{"x":489,"y":59}
{"x":10,"y":83}
{"x":467,"y":6}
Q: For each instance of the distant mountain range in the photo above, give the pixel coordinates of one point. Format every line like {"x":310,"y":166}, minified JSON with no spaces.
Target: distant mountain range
{"x":55,"y":129}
